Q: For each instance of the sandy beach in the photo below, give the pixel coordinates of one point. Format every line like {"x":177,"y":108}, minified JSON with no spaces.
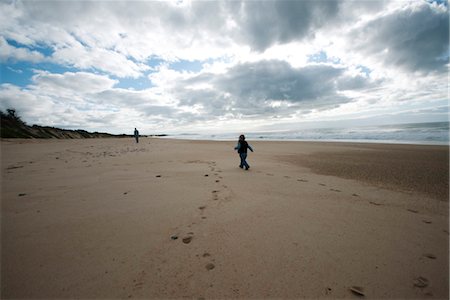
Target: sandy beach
{"x":109,"y":218}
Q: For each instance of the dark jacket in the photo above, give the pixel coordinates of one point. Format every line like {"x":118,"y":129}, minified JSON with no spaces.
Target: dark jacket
{"x":242,"y":147}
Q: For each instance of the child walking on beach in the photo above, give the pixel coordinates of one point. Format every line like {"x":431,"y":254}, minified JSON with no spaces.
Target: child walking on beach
{"x":241,"y":148}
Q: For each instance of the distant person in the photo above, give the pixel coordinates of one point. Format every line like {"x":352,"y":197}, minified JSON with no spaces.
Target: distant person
{"x":136,"y":135}
{"x":241,"y":148}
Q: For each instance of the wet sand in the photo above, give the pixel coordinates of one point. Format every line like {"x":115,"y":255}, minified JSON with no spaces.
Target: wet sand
{"x":108,"y":218}
{"x":409,"y":168}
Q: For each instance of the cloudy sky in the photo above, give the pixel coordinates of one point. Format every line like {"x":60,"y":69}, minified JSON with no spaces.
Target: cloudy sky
{"x":224,"y":66}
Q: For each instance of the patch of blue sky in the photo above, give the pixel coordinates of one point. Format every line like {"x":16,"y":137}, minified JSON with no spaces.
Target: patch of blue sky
{"x":143,"y":82}
{"x":364,"y":69}
{"x":154,"y":62}
{"x":445,"y":2}
{"x":20,"y":73}
{"x":189,"y":65}
{"x":45,"y":50}
{"x":41,"y":48}
{"x":137,"y":84}
{"x":15,"y":74}
{"x":322,"y":57}
{"x":318,"y":57}
{"x":16,"y":44}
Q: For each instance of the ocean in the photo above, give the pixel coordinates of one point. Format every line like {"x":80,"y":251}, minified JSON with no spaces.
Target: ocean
{"x":436,"y":133}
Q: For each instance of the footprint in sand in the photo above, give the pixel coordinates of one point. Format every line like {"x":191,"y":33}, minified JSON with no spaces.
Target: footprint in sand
{"x":202,"y":207}
{"x":427,"y":222}
{"x":139,"y":281}
{"x":287,"y":177}
{"x":334,"y":190}
{"x":430,"y":255}
{"x":210,"y":266}
{"x":302,"y":180}
{"x":269,"y":174}
{"x":355,"y":195}
{"x":187,"y":239}
{"x":421,"y":282}
{"x":413,"y":210}
{"x":138,"y":286}
{"x":14,"y":167}
{"x":322,"y":184}
{"x":374,"y":203}
{"x":359,"y":291}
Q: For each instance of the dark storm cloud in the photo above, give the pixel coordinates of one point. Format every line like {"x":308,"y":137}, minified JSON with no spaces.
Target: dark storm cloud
{"x":277,"y":80}
{"x":352,"y":83}
{"x":265,"y":23}
{"x":415,"y":38}
{"x":253,"y":88}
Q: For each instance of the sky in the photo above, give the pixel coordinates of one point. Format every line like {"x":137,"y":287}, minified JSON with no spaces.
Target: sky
{"x":224,"y":66}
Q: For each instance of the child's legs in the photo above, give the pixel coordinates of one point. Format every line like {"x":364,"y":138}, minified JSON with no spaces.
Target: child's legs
{"x":243,"y":160}
{"x":241,"y":165}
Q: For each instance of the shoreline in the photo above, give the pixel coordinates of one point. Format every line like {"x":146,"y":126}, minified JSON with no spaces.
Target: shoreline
{"x":350,"y":141}
{"x":170,"y":137}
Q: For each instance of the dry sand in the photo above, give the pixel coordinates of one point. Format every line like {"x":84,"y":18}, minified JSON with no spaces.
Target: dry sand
{"x":107,"y":218}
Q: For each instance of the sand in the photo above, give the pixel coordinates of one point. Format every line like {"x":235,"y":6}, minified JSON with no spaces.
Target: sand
{"x":108,"y":218}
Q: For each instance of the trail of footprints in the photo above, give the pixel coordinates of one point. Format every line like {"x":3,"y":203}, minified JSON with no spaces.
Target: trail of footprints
{"x":305,"y":181}
{"x":302,"y":180}
{"x":218,"y":193}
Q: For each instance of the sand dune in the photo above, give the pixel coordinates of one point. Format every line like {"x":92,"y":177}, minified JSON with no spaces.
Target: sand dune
{"x":108,"y":218}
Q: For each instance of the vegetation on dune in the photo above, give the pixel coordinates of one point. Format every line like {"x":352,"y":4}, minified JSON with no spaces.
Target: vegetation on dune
{"x":12,"y":126}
